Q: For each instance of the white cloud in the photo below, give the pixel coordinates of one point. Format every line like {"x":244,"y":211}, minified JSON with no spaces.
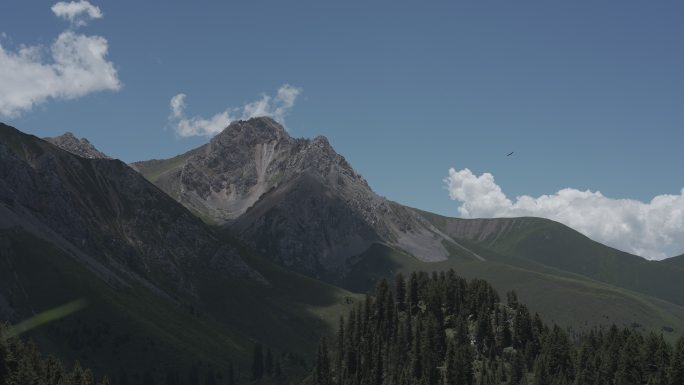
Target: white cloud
{"x":275,"y":107}
{"x":653,"y":230}
{"x":77,"y":12}
{"x":199,"y":126}
{"x":73,"y":66}
{"x":177,"y":105}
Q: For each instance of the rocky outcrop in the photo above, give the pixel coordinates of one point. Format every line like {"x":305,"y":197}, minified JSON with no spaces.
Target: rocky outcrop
{"x":81,"y":147}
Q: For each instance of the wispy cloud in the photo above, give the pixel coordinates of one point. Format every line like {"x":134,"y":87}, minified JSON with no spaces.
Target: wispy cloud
{"x":73,"y":66}
{"x":77,"y":12}
{"x":652,"y":229}
{"x":275,"y":107}
{"x":177,"y":105}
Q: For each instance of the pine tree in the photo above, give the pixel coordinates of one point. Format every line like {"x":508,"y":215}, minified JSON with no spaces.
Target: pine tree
{"x":677,"y":370}
{"x":231,"y":374}
{"x":400,"y":290}
{"x":193,"y":375}
{"x":541,"y":372}
{"x":517,"y":368}
{"x":413,"y":293}
{"x":210,"y":379}
{"x":4,"y":371}
{"x":173,"y":378}
{"x":656,"y":359}
{"x":340,"y":350}
{"x":257,"y":362}
{"x":88,"y":378}
{"x":512,"y":299}
{"x":322,"y":374}
{"x":268,"y":363}
{"x":148,"y":379}
{"x":277,"y":372}
{"x":630,"y":369}
{"x":416,"y":356}
{"x":586,"y":371}
{"x":76,"y":374}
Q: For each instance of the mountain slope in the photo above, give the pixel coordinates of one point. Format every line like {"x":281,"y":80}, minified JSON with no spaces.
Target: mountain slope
{"x":677,"y":261}
{"x":165,"y":290}
{"x":115,"y":221}
{"x":553,"y":244}
{"x":131,"y":331}
{"x":568,"y":299}
{"x":271,"y":189}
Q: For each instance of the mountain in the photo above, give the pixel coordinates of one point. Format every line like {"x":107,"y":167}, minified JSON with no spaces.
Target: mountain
{"x":296,"y":200}
{"x":553,"y":244}
{"x":118,"y":224}
{"x":165,"y":291}
{"x":81,"y":147}
{"x":172,"y":294}
{"x":301,"y":204}
{"x":677,"y":261}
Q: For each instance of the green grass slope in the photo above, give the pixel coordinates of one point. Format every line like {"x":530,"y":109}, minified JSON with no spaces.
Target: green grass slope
{"x":677,"y":261}
{"x":553,"y":244}
{"x":157,"y":169}
{"x":566,"y":298}
{"x":132,"y":333}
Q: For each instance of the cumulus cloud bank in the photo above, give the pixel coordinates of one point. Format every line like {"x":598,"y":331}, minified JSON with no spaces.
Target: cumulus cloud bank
{"x":653,"y":230}
{"x":73,"y":66}
{"x":275,"y":107}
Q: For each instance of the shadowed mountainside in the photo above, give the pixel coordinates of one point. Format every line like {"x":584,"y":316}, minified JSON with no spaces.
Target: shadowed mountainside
{"x":165,"y":291}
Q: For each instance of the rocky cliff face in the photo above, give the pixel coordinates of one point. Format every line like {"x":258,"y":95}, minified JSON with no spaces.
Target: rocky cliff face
{"x":294,"y":199}
{"x":81,"y":147}
{"x":107,"y":216}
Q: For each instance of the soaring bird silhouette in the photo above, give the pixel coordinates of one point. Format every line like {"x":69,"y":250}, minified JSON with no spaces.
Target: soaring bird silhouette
{"x":510,"y":153}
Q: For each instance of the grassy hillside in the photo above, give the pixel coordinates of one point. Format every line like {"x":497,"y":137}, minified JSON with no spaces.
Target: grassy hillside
{"x":555,"y":245}
{"x":131,"y":332}
{"x":155,"y":169}
{"x":566,"y":298}
{"x":677,"y":261}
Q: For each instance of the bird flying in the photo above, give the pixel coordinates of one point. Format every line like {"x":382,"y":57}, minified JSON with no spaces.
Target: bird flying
{"x":510,"y":153}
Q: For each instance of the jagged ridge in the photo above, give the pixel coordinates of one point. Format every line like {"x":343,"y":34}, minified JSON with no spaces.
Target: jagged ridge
{"x":81,"y":147}
{"x":271,"y":189}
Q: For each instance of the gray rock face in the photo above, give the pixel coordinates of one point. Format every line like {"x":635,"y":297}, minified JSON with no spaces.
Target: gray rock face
{"x":81,"y":147}
{"x":107,"y":216}
{"x":296,"y":200}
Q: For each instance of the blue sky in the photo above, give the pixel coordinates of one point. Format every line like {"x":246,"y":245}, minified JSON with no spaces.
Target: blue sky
{"x":589,"y":94}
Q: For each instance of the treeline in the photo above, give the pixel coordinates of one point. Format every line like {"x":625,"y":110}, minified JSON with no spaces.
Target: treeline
{"x":22,"y":364}
{"x":441,"y":329}
{"x":265,"y":367}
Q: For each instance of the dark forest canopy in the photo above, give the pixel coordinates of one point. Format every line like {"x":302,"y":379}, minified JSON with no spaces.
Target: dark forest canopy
{"x":428,"y":330}
{"x":22,"y":364}
{"x":441,"y":329}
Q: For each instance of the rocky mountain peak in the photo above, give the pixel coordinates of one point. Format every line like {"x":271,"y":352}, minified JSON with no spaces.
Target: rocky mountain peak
{"x":321,"y":142}
{"x":297,"y":197}
{"x":81,"y":147}
{"x":321,"y":146}
{"x":250,"y":132}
